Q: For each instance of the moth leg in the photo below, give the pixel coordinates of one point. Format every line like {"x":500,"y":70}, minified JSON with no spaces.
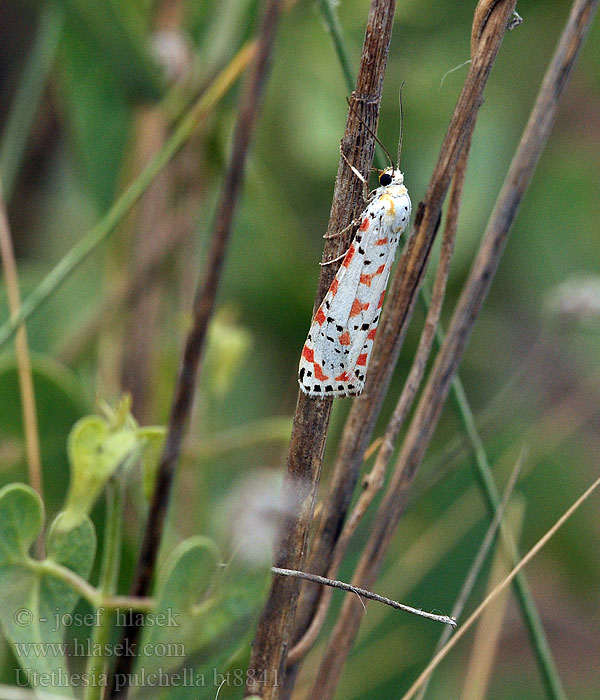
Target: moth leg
{"x":365,"y":183}
{"x":353,"y":223}
{"x":328,"y":262}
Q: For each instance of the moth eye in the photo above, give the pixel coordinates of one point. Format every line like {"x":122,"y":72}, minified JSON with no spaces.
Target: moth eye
{"x":385,"y":179}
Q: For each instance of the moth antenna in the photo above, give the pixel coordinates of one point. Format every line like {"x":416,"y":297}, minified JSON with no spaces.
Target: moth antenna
{"x":401,"y":124}
{"x":373,"y":134}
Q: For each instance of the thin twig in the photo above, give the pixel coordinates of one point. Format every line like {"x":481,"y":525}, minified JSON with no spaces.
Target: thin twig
{"x":397,"y":312}
{"x":445,"y":619}
{"x":467,"y":309}
{"x":28,"y":407}
{"x":250,"y":103}
{"x":426,"y":341}
{"x":480,"y":557}
{"x":464,"y":628}
{"x":311,"y":417}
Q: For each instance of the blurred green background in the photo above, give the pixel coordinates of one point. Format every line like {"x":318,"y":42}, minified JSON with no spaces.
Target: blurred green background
{"x":531,"y":369}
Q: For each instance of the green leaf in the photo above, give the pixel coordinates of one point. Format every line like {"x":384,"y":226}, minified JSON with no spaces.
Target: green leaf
{"x":187,"y":577}
{"x":21,"y":516}
{"x":33,"y":603}
{"x":95,"y":453}
{"x":211,"y":610}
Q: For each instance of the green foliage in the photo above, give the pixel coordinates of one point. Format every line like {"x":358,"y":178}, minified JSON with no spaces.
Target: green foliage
{"x":34,"y":603}
{"x":97,"y":448}
{"x":200,"y":605}
{"x":211,"y":607}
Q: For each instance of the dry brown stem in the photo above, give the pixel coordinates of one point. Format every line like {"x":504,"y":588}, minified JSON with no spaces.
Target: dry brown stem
{"x":311,"y":417}
{"x":467,"y":309}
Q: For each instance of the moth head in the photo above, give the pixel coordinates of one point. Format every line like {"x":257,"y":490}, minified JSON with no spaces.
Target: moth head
{"x":390,"y":176}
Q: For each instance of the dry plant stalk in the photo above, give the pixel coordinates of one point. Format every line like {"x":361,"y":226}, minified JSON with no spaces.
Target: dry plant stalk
{"x":476,"y":614}
{"x":466,"y":312}
{"x":23,"y":360}
{"x":311,"y":418}
{"x":250,"y":103}
{"x":491,"y":18}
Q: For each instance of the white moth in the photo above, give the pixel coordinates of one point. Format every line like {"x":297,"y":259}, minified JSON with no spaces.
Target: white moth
{"x":336,"y":353}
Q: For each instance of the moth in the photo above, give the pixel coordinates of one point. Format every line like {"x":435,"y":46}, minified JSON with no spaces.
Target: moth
{"x":335,"y":356}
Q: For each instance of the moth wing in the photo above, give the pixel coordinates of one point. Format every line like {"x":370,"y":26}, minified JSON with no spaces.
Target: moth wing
{"x":360,"y":350}
{"x":327,"y":346}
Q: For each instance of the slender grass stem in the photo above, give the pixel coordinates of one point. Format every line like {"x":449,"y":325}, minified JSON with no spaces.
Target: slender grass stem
{"x":28,"y":405}
{"x":89,"y":592}
{"x":498,"y":589}
{"x":102,"y":230}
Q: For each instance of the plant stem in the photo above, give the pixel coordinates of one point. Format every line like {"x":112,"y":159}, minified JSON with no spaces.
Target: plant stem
{"x":311,"y":417}
{"x":109,"y":574}
{"x":498,"y":589}
{"x":28,"y":405}
{"x":87,"y":591}
{"x":333,"y":583}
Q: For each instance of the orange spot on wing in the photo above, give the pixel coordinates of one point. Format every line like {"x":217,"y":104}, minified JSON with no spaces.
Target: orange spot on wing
{"x":343,"y":377}
{"x":381,"y":241}
{"x":371,"y":334}
{"x":345,"y":338}
{"x":365,"y":224}
{"x":380,"y":269}
{"x":381,"y":299}
{"x":334,"y":287}
{"x":320,"y":317}
{"x":349,"y":256}
{"x":319,"y":373}
{"x":357,"y":307}
{"x":308,"y":353}
{"x":366,"y":279}
{"x":390,"y":201}
{"x":362,"y":359}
